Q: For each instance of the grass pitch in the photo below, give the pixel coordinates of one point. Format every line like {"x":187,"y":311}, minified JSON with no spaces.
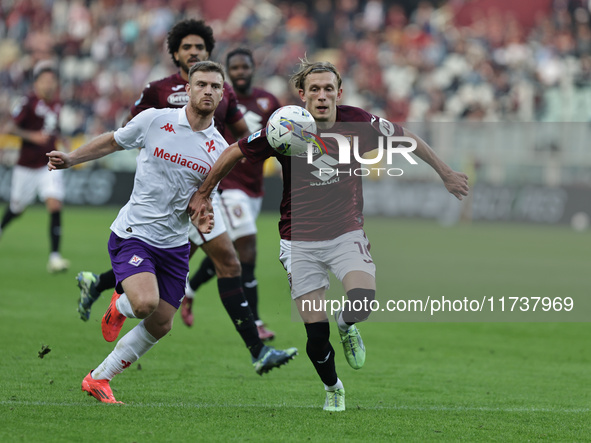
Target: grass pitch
{"x":466,"y":380}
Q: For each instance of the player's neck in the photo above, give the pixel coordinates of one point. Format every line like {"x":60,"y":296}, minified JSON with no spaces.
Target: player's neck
{"x":184,"y":75}
{"x":244,"y":93}
{"x":198,"y":122}
{"x":45,"y":97}
{"x":324,"y":125}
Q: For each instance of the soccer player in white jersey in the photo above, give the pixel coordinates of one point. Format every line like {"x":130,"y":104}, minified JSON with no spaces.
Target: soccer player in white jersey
{"x":321,"y":227}
{"x":148,"y":244}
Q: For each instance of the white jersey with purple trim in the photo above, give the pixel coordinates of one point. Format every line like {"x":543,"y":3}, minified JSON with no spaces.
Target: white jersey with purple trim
{"x":172,"y":163}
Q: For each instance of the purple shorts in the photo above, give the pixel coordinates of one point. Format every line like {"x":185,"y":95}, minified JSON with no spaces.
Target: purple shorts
{"x":131,"y":256}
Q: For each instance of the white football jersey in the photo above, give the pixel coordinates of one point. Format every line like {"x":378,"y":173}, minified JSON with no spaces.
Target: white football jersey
{"x":172,"y":164}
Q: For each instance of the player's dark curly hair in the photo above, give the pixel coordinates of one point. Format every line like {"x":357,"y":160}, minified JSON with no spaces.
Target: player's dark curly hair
{"x":240,"y":51}
{"x":189,"y":27}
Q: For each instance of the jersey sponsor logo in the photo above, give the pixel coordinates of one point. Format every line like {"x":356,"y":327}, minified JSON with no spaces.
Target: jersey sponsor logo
{"x":135,"y":260}
{"x":254,"y":135}
{"x":168,"y":128}
{"x":178,"y":98}
{"x":210,"y":145}
{"x":196,"y":164}
{"x":386,"y":127}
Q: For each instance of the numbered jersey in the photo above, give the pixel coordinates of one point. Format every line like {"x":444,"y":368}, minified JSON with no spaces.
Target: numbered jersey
{"x":247,"y":176}
{"x":34,"y":114}
{"x":323,"y":199}
{"x":169,"y":92}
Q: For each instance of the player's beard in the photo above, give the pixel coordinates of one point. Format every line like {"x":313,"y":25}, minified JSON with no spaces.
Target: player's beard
{"x":244,"y":88}
{"x":203,"y":110}
{"x":186,"y":67}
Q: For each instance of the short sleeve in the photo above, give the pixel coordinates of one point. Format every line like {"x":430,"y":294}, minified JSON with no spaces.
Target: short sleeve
{"x":133,"y":134}
{"x":20,"y":110}
{"x":233,"y":114}
{"x":255,"y":147}
{"x":147,"y":100}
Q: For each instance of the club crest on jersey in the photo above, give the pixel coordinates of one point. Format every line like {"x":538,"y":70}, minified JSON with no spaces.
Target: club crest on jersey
{"x":264,"y":103}
{"x":210,"y":145}
{"x":178,"y":98}
{"x":135,"y":260}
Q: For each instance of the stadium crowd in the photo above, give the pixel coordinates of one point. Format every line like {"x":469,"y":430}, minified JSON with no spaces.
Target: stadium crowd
{"x":408,"y":66}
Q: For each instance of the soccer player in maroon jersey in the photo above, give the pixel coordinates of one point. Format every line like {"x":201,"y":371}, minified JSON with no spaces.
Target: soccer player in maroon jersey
{"x":36,"y":119}
{"x":242,"y":190}
{"x":191,"y":41}
{"x":321,"y":224}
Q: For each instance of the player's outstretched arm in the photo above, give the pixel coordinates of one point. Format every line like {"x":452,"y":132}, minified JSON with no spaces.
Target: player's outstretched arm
{"x":455,"y":182}
{"x":96,"y":148}
{"x":221,"y":167}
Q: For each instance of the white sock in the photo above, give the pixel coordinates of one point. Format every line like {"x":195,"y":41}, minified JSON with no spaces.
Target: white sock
{"x":340,"y":322}
{"x":337,"y":385}
{"x":54,"y":255}
{"x":129,"y":349}
{"x":124,"y":306}
{"x":189,"y":293}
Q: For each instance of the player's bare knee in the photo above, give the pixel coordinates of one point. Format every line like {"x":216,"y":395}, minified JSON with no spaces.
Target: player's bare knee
{"x":359,"y":306}
{"x":144,"y":309}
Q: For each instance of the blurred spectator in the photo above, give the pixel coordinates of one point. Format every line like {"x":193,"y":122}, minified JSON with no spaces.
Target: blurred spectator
{"x":412,"y":63}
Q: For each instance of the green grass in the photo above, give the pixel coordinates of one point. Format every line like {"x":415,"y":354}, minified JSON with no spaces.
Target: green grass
{"x":436,"y":380}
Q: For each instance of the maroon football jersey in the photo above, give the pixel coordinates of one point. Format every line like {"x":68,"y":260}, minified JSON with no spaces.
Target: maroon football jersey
{"x":247,"y":176}
{"x":34,"y":114}
{"x":169,"y":92}
{"x":313,"y":208}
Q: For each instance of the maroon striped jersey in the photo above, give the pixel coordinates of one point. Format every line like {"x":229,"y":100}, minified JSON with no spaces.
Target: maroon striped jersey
{"x":247,"y":176}
{"x":169,"y":92}
{"x":34,"y":114}
{"x":313,"y":208}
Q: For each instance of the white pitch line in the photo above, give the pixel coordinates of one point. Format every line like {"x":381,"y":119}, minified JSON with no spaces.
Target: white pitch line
{"x":278,"y":406}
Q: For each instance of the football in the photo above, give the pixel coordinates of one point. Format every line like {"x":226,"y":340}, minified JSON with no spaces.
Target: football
{"x":289,"y":130}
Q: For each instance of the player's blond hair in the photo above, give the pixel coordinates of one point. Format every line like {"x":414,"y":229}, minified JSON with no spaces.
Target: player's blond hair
{"x":307,"y":68}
